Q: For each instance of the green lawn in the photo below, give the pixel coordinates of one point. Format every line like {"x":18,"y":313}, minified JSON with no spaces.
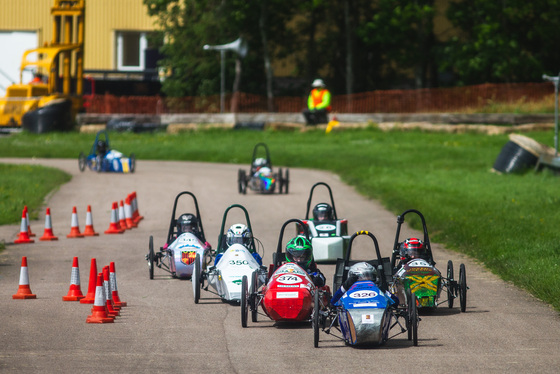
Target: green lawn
{"x":508,"y":222}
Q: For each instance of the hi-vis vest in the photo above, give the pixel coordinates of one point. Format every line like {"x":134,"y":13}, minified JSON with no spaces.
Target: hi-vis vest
{"x":319,"y":99}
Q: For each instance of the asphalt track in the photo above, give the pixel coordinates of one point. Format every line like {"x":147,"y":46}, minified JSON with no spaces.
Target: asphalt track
{"x":162,"y":330}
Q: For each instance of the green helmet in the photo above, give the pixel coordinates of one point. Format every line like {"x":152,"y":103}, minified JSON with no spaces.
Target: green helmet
{"x":300,"y":251}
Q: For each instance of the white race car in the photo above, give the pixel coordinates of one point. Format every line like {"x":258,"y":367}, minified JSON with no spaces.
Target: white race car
{"x":233,"y":261}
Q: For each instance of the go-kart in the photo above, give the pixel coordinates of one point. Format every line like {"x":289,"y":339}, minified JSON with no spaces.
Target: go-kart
{"x":180,"y":252}
{"x":260,"y":177}
{"x":289,"y":295}
{"x":329,"y":238}
{"x":423,"y":278}
{"x":236,"y":263}
{"x":364,"y":315}
{"x":106,"y":159}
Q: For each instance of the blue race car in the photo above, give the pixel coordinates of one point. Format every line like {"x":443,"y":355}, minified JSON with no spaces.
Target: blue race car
{"x":102,"y":158}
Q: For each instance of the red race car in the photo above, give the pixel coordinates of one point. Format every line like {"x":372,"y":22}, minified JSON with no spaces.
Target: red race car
{"x":289,"y":294}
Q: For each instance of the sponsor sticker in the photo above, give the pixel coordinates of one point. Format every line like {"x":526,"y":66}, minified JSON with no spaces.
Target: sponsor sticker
{"x":367,"y":319}
{"x":188,"y":257}
{"x":287,"y":295}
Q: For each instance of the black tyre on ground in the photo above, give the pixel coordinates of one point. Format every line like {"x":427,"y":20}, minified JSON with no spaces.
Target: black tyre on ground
{"x":82,"y":161}
{"x":315,"y":321}
{"x":151,"y":257}
{"x":195,"y":279}
{"x":450,"y":284}
{"x":244,"y":301}
{"x":463,"y":287}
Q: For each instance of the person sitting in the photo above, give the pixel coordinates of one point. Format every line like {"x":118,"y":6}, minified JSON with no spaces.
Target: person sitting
{"x":361,"y":273}
{"x":37,"y":78}
{"x":300,"y":251}
{"x":410,"y":249}
{"x":186,"y":223}
{"x":318,"y":104}
{"x":101,"y":148}
{"x":323,"y":212}
{"x":240,"y":234}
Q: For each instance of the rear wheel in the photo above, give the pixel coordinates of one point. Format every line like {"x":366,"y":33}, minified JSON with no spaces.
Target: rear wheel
{"x":151,"y":257}
{"x":244,"y":301}
{"x":450,"y":284}
{"x":409,"y":299}
{"x":132,"y":162}
{"x":82,"y":161}
{"x":195,"y":279}
{"x":463,"y":287}
{"x":286,"y":181}
{"x":280,"y":180}
{"x":315,"y":320}
{"x":240,"y":180}
{"x":253,"y":296}
{"x":413,"y":315}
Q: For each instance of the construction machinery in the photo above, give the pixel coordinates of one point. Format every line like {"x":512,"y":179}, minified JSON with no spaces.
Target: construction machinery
{"x":51,"y":101}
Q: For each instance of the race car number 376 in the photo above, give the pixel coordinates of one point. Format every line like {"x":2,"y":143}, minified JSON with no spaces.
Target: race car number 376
{"x":288,"y":279}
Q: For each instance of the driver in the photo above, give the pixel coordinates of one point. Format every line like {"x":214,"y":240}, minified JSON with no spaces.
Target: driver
{"x":187,"y":223}
{"x":361,"y":273}
{"x":322,"y":212}
{"x":410,"y":249}
{"x":300,"y":251}
{"x":260,"y":166}
{"x":101,"y":148}
{"x":240,"y":234}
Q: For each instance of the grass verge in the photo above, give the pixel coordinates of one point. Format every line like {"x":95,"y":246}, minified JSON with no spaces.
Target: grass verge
{"x":508,"y":222}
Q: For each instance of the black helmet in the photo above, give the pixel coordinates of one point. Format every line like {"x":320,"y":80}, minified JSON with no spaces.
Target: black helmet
{"x":323,"y":212}
{"x":300,"y":251}
{"x":101,"y":147}
{"x":187,"y":223}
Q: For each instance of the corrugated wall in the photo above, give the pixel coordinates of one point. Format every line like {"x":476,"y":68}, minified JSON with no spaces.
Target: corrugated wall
{"x":103,"y":18}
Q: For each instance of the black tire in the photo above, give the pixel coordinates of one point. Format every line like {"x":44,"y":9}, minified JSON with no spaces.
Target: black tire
{"x":151,"y":257}
{"x":450,"y":284}
{"x":315,"y":321}
{"x":286,"y":181}
{"x":244,"y":301}
{"x":243,"y":182}
{"x":463,"y":288}
{"x":253,"y":296}
{"x":82,"y":161}
{"x":132,"y":160}
{"x":240,"y":181}
{"x":409,"y":300}
{"x":195,"y":279}
{"x":413,"y":315}
{"x":97,"y":166}
{"x":280,"y":179}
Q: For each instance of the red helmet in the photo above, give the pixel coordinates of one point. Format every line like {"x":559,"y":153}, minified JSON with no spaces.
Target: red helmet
{"x":412,"y":248}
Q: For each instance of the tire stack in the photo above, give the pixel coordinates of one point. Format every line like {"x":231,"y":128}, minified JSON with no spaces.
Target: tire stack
{"x":519,"y":154}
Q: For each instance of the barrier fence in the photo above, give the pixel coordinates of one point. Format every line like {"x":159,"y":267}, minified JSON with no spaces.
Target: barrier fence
{"x":428,"y":100}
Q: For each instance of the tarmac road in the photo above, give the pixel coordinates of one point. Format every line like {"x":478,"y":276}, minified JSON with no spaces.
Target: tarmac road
{"x":162,"y":330}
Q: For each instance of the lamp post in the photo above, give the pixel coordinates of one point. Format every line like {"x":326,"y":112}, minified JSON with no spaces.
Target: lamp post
{"x":554,"y":80}
{"x":240,"y":47}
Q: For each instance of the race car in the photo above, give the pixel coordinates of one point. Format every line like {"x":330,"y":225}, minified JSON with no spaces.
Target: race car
{"x":234,"y":260}
{"x":288,"y":296}
{"x":329,"y":234}
{"x":102,"y":158}
{"x":260,"y":177}
{"x":366,"y":312}
{"x":416,"y":270}
{"x":185,"y":244}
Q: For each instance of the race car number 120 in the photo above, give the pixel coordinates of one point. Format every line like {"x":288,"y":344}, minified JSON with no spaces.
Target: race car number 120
{"x":288,"y":279}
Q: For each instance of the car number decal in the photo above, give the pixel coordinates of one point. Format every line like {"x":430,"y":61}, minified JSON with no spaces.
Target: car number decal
{"x":288,"y":279}
{"x":368,"y":294}
{"x":325,"y":227}
{"x":238,"y":262}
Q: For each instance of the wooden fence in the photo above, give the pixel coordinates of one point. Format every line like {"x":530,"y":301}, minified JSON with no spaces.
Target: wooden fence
{"x":428,"y":100}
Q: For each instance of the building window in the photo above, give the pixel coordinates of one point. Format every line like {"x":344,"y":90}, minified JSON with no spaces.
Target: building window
{"x":130,"y":50}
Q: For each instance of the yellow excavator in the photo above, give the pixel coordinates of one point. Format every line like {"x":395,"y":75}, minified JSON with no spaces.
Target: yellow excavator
{"x":52,"y":99}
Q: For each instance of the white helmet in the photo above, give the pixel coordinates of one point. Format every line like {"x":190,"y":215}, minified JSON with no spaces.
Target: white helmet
{"x":318,"y":83}
{"x":239,"y":234}
{"x":363,"y":270}
{"x":259,"y":162}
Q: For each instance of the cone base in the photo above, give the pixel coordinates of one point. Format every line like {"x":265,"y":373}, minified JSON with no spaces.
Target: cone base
{"x":23,"y":296}
{"x":120,"y":303}
{"x":46,"y":238}
{"x":94,"y":319}
{"x":87,"y":301}
{"x":23,"y":241}
{"x":72,"y":298}
{"x":90,"y":233}
{"x":74,"y":236}
{"x":114,"y":231}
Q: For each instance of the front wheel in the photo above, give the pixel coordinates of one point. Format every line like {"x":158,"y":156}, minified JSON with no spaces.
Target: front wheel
{"x":82,"y":161}
{"x":413,"y":315}
{"x":463,"y":287}
{"x":315,"y":320}
{"x":244,"y":301}
{"x":132,"y":162}
{"x":195,"y":279}
{"x":253,"y":296}
{"x":151,"y":257}
{"x":450,"y":284}
{"x":286,"y":181}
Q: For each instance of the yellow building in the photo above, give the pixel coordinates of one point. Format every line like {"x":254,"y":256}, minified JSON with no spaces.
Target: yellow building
{"x":115,"y":35}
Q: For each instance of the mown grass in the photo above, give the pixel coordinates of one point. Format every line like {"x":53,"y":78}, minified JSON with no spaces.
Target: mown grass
{"x":508,"y":222}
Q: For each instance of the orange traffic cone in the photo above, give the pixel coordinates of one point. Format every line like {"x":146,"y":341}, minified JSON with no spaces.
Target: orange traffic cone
{"x":114,"y":289}
{"x":24,"y":291}
{"x":27,"y":219}
{"x":99,"y":311}
{"x":90,"y":297}
{"x":75,"y":292}
{"x":75,"y":229}
{"x":23,"y":233}
{"x":122,"y":219}
{"x":113,"y":311}
{"x":114,"y":227}
{"x":135,"y":213}
{"x":48,"y":234}
{"x":88,"y":230}
{"x":128,"y":213}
